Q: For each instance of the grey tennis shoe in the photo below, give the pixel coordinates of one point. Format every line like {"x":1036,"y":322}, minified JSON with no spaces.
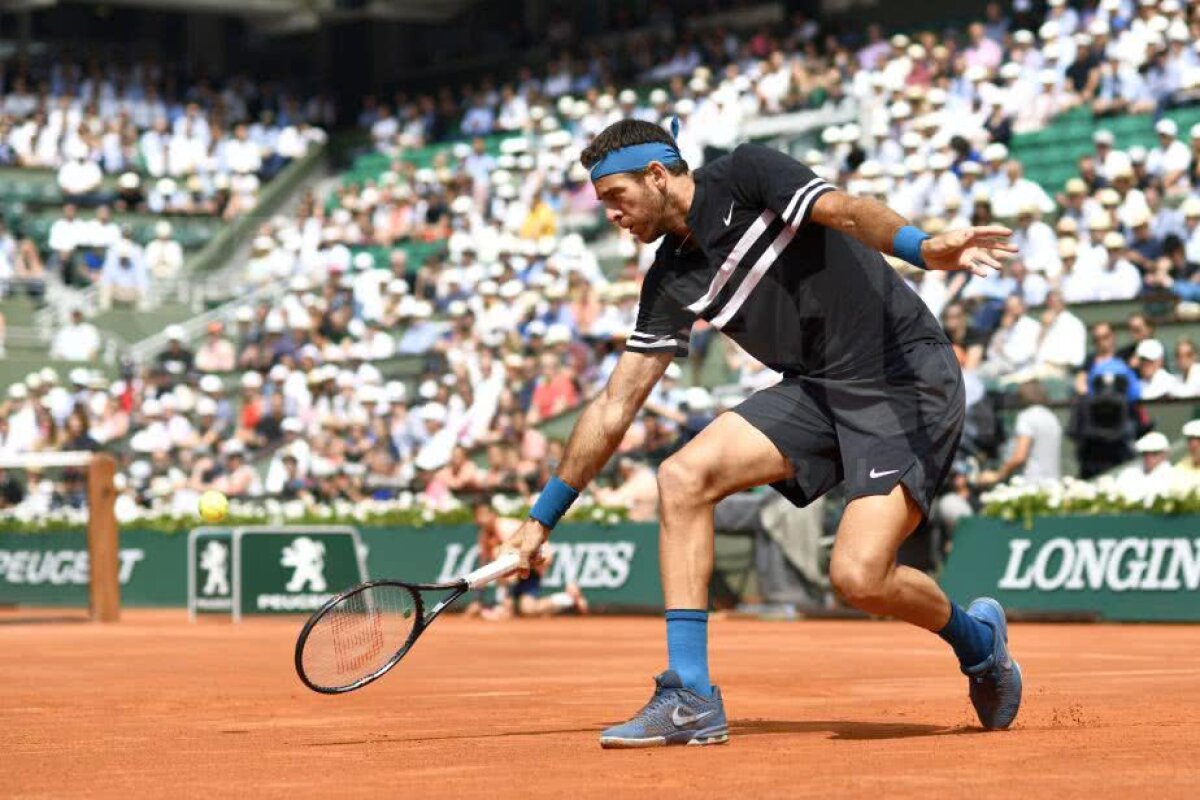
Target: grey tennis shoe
{"x":674,"y":715}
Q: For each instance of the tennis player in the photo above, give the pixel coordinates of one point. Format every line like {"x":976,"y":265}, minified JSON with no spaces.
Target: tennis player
{"x":790,"y":268}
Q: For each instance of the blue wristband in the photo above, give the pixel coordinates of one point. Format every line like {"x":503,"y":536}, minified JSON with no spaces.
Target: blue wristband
{"x":907,"y":245}
{"x":553,"y":502}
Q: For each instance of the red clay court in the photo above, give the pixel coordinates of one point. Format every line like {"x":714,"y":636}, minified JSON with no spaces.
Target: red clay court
{"x":154,"y":707}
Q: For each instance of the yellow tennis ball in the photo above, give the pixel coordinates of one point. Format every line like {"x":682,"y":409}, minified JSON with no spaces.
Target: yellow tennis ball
{"x":213,"y":506}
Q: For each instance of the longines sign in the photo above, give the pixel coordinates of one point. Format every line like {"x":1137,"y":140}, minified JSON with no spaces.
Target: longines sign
{"x":1115,"y":567}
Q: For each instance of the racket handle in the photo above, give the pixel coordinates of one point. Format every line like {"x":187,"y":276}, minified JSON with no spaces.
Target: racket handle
{"x":490,"y":572}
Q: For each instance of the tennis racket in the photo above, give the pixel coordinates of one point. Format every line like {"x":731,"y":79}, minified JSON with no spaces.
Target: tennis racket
{"x":357,"y":636}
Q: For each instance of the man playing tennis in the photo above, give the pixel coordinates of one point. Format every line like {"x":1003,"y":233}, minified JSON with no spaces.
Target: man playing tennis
{"x":789,"y":268}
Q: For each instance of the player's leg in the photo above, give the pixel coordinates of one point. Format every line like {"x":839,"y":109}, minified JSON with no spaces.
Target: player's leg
{"x":864,"y":571}
{"x":863,"y":568}
{"x":728,"y":456}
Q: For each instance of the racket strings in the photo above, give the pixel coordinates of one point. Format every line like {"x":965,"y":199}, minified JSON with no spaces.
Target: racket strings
{"x":359,"y":636}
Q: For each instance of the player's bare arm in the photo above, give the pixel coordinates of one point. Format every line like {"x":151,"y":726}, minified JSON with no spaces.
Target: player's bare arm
{"x":978,"y":249}
{"x":595,"y":437}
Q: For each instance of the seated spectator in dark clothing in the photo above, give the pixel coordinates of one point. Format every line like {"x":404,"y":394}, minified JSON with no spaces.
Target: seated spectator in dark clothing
{"x":1082,"y":75}
{"x":177,"y":359}
{"x":1140,"y":329}
{"x":12,"y":491}
{"x":75,"y":435}
{"x":268,"y":432}
{"x":1170,"y":267}
{"x":1144,"y":248}
{"x":295,"y":487}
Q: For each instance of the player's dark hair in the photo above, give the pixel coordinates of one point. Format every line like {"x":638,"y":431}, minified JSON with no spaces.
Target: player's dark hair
{"x":626,"y":133}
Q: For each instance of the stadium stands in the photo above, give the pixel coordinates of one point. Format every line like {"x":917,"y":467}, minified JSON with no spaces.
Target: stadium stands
{"x":456,"y":285}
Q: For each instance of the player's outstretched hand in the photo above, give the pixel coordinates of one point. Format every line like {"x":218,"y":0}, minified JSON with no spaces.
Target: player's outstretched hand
{"x":527,"y":543}
{"x":978,"y":249}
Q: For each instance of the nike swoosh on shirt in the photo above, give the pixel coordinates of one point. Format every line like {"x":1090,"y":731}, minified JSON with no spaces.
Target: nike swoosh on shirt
{"x":875,"y":474}
{"x":728,"y":217}
{"x":680,"y":718}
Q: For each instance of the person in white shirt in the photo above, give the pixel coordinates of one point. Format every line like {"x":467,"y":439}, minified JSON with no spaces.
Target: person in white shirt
{"x":1037,"y":242}
{"x":1030,"y":285}
{"x":100,"y":232}
{"x":185,"y":151}
{"x":152,"y":434}
{"x":1155,"y":473}
{"x":1171,"y":159}
{"x":123,"y":278}
{"x":774,"y":84}
{"x":1067,"y":18}
{"x":1119,"y":279}
{"x":1187,"y":368}
{"x":1191,"y":228}
{"x":23,"y":431}
{"x":79,"y":177}
{"x":1016,"y":194}
{"x":153,"y":147}
{"x":78,"y":341}
{"x":1062,"y":343}
{"x":243,"y":155}
{"x":1092,"y":253}
{"x":1157,"y":382}
{"x":1073,"y":282}
{"x":723,"y":121}
{"x":1014,"y":344}
{"x":291,"y":144}
{"x":179,"y":428}
{"x":64,"y":239}
{"x":1035,"y":448}
{"x":193,"y":124}
{"x":514,"y":111}
{"x":384,"y":129}
{"x":164,"y":255}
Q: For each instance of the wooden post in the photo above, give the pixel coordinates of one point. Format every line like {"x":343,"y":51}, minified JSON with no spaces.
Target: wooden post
{"x":104,"y":588}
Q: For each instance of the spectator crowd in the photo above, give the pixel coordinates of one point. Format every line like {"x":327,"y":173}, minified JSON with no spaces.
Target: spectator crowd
{"x":129,"y":140}
{"x":426,"y":320}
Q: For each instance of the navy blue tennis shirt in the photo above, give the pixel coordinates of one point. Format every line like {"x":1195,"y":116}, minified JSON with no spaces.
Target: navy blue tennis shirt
{"x":801,"y":298}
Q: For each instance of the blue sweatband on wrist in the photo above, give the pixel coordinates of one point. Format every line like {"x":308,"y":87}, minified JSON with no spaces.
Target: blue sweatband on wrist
{"x":907,"y":245}
{"x":553,"y":502}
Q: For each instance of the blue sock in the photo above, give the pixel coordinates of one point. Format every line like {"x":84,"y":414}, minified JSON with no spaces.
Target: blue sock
{"x":687,"y":648}
{"x":971,"y":639}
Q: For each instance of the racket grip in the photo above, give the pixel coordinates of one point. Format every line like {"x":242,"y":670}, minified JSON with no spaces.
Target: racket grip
{"x":490,"y":572}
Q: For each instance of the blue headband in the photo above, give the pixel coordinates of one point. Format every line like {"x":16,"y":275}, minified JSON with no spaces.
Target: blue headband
{"x":638,"y":156}
{"x":635,"y":157}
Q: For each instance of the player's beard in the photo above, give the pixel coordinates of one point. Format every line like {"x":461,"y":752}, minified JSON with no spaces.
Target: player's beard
{"x":658,"y":229}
